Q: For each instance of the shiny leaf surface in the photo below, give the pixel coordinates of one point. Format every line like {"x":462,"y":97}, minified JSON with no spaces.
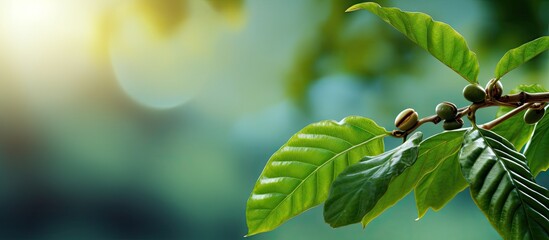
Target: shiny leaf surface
{"x":432,"y":152}
{"x":359,"y":187}
{"x":438,"y":38}
{"x":503,"y":187}
{"x":517,"y":56}
{"x":298,"y":176}
{"x":537,"y":150}
{"x":440,"y":186}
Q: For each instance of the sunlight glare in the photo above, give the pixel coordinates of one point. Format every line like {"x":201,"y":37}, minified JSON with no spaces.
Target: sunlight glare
{"x":49,"y":45}
{"x":30,"y":13}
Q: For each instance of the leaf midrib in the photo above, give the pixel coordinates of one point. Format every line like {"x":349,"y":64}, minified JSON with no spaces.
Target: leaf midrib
{"x":508,"y":173}
{"x":319,"y":167}
{"x":453,"y":154}
{"x":428,"y":151}
{"x":361,"y":187}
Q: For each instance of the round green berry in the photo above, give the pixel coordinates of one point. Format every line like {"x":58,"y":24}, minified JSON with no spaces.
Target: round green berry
{"x":406,"y":119}
{"x":474,"y":93}
{"x":446,"y":110}
{"x":533,"y":115}
{"x":452,"y":124}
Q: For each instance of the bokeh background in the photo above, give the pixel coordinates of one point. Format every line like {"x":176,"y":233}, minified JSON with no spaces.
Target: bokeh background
{"x":152,"y":119}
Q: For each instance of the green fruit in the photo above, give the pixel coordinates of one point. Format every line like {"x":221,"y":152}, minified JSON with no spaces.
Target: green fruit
{"x":533,"y":115}
{"x":446,"y":110}
{"x":474,"y":93}
{"x":494,"y":90}
{"x":452,"y":124}
{"x":406,"y":119}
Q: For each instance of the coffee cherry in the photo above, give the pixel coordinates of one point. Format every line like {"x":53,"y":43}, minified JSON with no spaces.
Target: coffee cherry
{"x":496,"y":90}
{"x":452,"y":124}
{"x":474,"y":93}
{"x":533,"y":115}
{"x":446,"y":110}
{"x":406,"y":119}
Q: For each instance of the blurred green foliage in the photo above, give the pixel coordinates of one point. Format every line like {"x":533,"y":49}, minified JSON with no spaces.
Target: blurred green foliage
{"x":85,"y":155}
{"x":165,"y":15}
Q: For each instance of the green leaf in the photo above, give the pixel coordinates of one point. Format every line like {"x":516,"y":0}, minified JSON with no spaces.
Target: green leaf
{"x":503,"y":187}
{"x":515,"y":129}
{"x":438,"y":38}
{"x":517,"y":56}
{"x":440,"y":186}
{"x":533,"y":88}
{"x":537,"y":150}
{"x":298,"y":176}
{"x":358,"y":188}
{"x":432,"y":152}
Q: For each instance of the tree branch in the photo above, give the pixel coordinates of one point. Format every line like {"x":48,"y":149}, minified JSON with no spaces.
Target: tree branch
{"x":519,"y":101}
{"x":524,"y":97}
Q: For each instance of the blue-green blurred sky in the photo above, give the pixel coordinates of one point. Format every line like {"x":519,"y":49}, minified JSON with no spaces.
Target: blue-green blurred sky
{"x":152,"y":119}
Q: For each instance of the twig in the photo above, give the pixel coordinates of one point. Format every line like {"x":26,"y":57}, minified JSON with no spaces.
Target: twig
{"x":519,"y":101}
{"x":524,"y":97}
{"x":495,"y":122}
{"x":402,"y":134}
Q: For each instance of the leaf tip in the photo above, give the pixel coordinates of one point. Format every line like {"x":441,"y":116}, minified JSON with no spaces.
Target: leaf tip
{"x":251,"y":232}
{"x":365,"y":222}
{"x":364,"y":5}
{"x":421,"y":213}
{"x":353,"y":8}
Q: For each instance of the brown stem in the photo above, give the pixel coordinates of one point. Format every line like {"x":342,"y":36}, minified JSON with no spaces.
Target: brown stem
{"x":476,"y":106}
{"x":495,"y":122}
{"x":435,"y":119}
{"x":402,"y":134}
{"x":524,"y":97}
{"x":462,"y":111}
{"x":519,"y":101}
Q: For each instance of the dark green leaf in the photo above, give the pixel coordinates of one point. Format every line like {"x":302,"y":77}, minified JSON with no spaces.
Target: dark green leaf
{"x":503,"y":187}
{"x":438,"y":38}
{"x":440,"y":186}
{"x":358,"y":188}
{"x":298,"y":176}
{"x":432,"y":152}
{"x":537,"y":150}
{"x":515,"y":129}
{"x":517,"y":56}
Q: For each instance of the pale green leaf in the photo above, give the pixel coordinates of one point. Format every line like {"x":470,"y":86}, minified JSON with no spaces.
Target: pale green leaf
{"x":517,"y":56}
{"x":298,"y":176}
{"x":537,"y":150}
{"x":358,"y":188}
{"x":441,"y":185}
{"x":503,"y":187}
{"x":438,"y":38}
